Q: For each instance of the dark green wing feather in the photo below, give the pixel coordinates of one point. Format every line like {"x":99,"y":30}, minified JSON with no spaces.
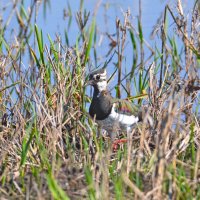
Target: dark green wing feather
{"x":126,"y":107}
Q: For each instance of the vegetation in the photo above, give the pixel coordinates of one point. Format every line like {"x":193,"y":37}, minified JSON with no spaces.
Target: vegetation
{"x":49,"y":147}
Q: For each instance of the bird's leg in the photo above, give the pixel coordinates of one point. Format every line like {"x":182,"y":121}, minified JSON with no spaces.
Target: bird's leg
{"x":117,"y":142}
{"x":114,"y":135}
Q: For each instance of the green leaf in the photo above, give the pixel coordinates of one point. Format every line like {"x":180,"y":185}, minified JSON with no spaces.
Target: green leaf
{"x":89,"y":46}
{"x":26,"y":143}
{"x":135,"y":54}
{"x":55,"y":52}
{"x":89,"y":180}
{"x":140,"y":31}
{"x":35,"y":58}
{"x":56,"y":191}
{"x":39,"y":37}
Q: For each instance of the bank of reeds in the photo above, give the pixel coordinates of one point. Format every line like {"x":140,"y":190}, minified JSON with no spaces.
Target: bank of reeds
{"x":48,"y":144}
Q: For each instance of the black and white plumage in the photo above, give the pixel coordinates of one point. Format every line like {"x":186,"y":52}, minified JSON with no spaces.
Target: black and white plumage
{"x":111,"y":114}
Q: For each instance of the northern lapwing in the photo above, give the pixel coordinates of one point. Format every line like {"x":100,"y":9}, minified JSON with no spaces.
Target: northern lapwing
{"x":113,"y":115}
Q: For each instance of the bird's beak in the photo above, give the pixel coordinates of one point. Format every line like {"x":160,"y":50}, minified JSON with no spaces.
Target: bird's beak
{"x":88,"y":82}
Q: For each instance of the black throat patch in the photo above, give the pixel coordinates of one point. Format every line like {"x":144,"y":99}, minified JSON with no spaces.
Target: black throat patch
{"x":101,"y":105}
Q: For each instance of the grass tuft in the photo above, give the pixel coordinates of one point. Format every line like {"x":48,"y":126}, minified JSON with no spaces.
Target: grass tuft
{"x":49,"y":146}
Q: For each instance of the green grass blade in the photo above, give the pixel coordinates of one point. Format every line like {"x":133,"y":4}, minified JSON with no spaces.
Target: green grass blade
{"x":40,"y":43}
{"x":56,"y":191}
{"x":89,"y":180}
{"x":70,"y":16}
{"x":26,"y":143}
{"x":140,"y":32}
{"x":89,"y":46}
{"x":54,"y":51}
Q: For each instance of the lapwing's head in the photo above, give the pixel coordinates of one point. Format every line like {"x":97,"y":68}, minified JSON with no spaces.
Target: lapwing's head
{"x":97,"y":79}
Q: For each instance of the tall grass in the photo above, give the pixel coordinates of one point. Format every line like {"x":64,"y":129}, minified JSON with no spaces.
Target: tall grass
{"x":50,"y":147}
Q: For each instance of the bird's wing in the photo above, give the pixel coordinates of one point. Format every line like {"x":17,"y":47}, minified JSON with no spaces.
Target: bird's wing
{"x":125,"y":107}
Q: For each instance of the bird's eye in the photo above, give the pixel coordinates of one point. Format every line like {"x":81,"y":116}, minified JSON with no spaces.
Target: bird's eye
{"x":97,"y":77}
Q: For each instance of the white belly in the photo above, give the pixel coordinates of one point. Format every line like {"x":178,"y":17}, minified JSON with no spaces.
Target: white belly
{"x":124,"y":120}
{"x":116,"y":122}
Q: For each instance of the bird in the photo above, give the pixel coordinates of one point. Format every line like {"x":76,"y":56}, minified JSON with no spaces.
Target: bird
{"x":111,"y":114}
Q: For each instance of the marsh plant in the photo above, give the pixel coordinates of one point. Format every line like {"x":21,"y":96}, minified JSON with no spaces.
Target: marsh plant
{"x":49,"y":147}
